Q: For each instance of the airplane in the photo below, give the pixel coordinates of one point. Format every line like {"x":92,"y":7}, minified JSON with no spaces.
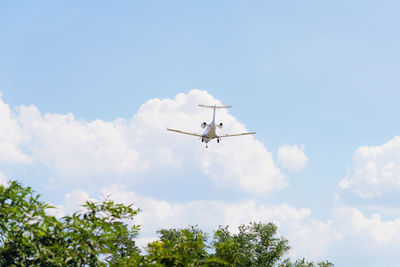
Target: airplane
{"x":209,"y":132}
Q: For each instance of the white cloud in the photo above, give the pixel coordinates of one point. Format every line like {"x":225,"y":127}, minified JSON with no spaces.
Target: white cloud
{"x":243,"y":161}
{"x":292,"y":157}
{"x":73,"y":202}
{"x":79,"y":150}
{"x":372,"y":231}
{"x":375,"y":170}
{"x":308,"y":237}
{"x":3,"y":179}
{"x":12,"y":137}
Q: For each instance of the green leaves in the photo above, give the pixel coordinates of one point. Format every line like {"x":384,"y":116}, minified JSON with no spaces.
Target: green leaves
{"x":256,"y":244}
{"x":304,"y":263}
{"x":29,"y":236}
{"x":179,"y":247}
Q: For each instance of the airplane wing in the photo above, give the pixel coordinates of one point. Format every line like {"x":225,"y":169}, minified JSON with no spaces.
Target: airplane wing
{"x":182,"y":132}
{"x":230,"y":135}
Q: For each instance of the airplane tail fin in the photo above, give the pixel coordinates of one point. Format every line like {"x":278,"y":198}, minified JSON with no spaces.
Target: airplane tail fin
{"x":208,"y":106}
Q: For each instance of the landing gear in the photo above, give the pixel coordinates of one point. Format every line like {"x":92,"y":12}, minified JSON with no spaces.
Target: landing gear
{"x":202,"y":140}
{"x":217,"y":140}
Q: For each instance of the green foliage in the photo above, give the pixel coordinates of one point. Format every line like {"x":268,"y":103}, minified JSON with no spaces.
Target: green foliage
{"x":100,"y":236}
{"x":256,"y":244}
{"x":26,"y":232}
{"x":178,"y":247}
{"x":29,"y":236}
{"x":100,"y":232}
{"x":304,"y":263}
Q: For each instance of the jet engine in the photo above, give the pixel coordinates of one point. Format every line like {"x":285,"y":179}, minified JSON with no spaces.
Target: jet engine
{"x":220,"y":125}
{"x":203,"y":125}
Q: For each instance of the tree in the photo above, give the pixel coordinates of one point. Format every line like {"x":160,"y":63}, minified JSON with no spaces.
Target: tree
{"x":101,"y":233}
{"x":29,"y":236}
{"x":179,"y":247}
{"x":24,"y":227}
{"x":256,"y":244}
{"x":304,"y":263}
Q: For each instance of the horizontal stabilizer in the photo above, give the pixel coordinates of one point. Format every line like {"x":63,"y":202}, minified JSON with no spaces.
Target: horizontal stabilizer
{"x":208,"y":106}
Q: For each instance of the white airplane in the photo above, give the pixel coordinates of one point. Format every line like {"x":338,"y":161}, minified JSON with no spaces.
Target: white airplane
{"x":209,"y":132}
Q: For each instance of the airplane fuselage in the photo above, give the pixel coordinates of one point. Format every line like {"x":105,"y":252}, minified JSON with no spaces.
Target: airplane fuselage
{"x":209,"y":132}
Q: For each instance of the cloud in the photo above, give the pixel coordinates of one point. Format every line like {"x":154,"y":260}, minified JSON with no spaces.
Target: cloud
{"x":12,"y":137}
{"x":79,"y":150}
{"x":244,"y":162}
{"x":372,"y":230}
{"x":375,"y":170}
{"x":73,"y":202}
{"x":308,"y":237}
{"x":292,"y":157}
{"x":3,"y":179}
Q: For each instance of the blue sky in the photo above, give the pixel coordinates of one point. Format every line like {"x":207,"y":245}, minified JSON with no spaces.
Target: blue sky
{"x":323,"y":74}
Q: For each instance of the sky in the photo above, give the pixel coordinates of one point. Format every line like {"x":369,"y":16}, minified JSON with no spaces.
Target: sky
{"x":88,"y":88}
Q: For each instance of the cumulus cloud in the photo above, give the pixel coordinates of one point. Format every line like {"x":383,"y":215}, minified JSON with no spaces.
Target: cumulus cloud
{"x":245,"y":162}
{"x":308,"y":237}
{"x":73,"y":202}
{"x":294,"y":224}
{"x":372,"y":230}
{"x":79,"y":149}
{"x":12,"y":137}
{"x":207,"y":213}
{"x":3,"y":179}
{"x":375,"y":170}
{"x":292,"y":157}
